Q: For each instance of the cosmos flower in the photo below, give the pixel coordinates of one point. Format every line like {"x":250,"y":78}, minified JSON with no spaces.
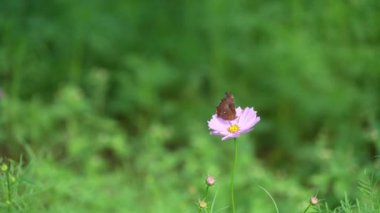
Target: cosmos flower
{"x":243,"y":122}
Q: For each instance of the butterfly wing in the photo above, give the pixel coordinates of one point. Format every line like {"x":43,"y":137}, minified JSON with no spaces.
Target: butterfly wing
{"x":226,"y":108}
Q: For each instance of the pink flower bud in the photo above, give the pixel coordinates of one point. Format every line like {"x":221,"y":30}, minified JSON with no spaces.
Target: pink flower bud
{"x":210,"y":180}
{"x":314,"y":200}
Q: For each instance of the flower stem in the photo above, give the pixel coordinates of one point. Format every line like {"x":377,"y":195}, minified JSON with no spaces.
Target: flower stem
{"x":307,"y":208}
{"x":233,"y":176}
{"x":9,"y":192}
{"x":206,"y":194}
{"x":205,"y":198}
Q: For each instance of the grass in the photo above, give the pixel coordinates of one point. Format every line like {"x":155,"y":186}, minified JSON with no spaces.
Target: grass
{"x":107,"y":105}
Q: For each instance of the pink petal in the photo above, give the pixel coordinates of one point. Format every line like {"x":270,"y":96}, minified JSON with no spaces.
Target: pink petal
{"x":222,"y":133}
{"x":248,"y":119}
{"x":238,"y":112}
{"x":231,"y":136}
{"x":218,"y":124}
{"x":251,"y":123}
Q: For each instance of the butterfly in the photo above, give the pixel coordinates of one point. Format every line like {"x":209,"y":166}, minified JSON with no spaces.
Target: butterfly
{"x":226,"y":108}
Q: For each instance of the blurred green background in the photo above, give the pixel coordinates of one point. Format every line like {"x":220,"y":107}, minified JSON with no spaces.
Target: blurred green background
{"x":107,"y":102}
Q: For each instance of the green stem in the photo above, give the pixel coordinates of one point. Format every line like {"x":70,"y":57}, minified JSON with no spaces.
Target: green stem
{"x":307,"y":208}
{"x":9,"y":201}
{"x":206,"y":194}
{"x":205,"y":198}
{"x":233,"y":177}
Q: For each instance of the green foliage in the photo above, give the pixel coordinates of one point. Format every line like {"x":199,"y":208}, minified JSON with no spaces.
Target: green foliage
{"x":367,"y":200}
{"x":13,"y":187}
{"x":107,"y":103}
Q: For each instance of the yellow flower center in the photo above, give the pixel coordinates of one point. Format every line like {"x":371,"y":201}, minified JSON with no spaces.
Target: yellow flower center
{"x":233,"y":128}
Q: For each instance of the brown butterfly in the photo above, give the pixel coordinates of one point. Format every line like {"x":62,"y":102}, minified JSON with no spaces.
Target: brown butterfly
{"x":226,"y":108}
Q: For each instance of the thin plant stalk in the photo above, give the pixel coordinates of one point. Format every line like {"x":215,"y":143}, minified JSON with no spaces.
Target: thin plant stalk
{"x":206,"y":194}
{"x":233,"y":177}
{"x":205,"y":198}
{"x":8,"y":186}
{"x":307,"y":208}
{"x":271,"y":197}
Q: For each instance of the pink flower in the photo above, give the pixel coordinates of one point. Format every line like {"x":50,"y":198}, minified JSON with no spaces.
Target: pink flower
{"x":244,"y":122}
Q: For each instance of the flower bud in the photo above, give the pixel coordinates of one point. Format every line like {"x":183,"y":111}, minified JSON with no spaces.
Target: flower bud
{"x":210,"y":180}
{"x":202,"y":204}
{"x":314,"y":200}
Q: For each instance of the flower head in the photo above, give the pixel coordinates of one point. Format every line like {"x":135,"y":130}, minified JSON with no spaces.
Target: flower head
{"x":314,"y":200}
{"x":210,"y":180}
{"x":202,"y":204}
{"x":243,"y":121}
